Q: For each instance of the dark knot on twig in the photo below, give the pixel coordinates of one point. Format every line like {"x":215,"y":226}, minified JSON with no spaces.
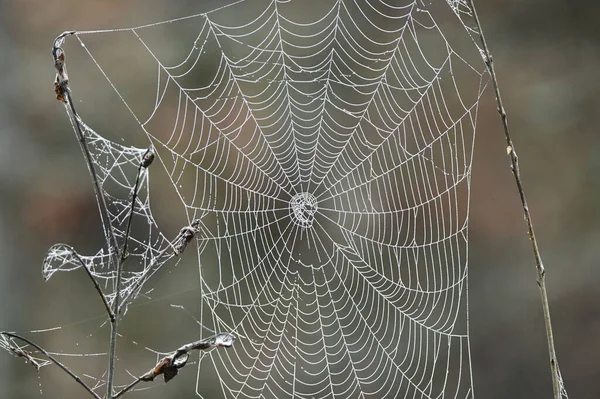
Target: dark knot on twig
{"x":185,"y":236}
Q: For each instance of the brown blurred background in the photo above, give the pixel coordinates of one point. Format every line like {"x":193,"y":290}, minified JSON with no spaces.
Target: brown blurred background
{"x":546,"y":55}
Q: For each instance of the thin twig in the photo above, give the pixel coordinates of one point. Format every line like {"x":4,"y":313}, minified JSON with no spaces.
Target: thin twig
{"x":141,"y":280}
{"x":112,"y":348}
{"x":111,"y":315}
{"x":169,"y":365}
{"x":144,"y":163}
{"x":178,"y":245}
{"x":53,"y":360}
{"x":64,"y":94}
{"x":514,"y":160}
{"x":128,"y":387}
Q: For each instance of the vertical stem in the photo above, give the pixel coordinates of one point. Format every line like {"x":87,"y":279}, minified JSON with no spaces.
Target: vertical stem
{"x":117,"y":259}
{"x":109,"y":232}
{"x":64,"y":91}
{"x":114,"y":326}
{"x":131,"y":209}
{"x":514,"y":161}
{"x":112,"y":349}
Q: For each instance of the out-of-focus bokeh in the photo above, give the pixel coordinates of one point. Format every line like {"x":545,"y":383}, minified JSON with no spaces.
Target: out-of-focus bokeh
{"x":546,"y":55}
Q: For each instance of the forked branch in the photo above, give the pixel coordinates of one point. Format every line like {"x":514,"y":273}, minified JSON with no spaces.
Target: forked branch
{"x":557,"y":384}
{"x":21,"y":353}
{"x":63,"y":93}
{"x":170,"y":364}
{"x":109,"y":311}
{"x":118,"y":257}
{"x":145,"y":162}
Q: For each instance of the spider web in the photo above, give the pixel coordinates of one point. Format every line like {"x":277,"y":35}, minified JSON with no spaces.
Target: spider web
{"x":325,"y":146}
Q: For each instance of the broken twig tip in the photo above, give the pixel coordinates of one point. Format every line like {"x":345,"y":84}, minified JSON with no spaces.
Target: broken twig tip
{"x":169,"y":366}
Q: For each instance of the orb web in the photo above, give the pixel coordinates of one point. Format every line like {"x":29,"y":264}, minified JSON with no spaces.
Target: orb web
{"x":303,"y":208}
{"x":326,"y":146}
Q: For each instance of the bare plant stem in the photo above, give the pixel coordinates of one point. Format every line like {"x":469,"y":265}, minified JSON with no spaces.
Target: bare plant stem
{"x":128,"y":387}
{"x":63,"y":80}
{"x":178,"y":359}
{"x":109,"y":311}
{"x":116,"y":304}
{"x":514,"y":161}
{"x":64,"y":93}
{"x":134,"y":195}
{"x":112,"y":346}
{"x":53,"y":360}
{"x":118,"y":259}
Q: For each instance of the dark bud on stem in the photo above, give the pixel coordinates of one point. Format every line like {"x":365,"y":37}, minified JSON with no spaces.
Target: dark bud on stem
{"x":61,"y":84}
{"x":60,"y":88}
{"x":148,"y":158}
{"x":59,"y":62}
{"x":168,"y":367}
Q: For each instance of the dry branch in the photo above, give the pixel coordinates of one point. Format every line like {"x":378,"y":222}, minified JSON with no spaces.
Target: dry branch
{"x":557,"y":384}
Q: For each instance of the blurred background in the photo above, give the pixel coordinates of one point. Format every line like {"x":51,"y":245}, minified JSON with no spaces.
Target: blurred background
{"x":546,"y":55}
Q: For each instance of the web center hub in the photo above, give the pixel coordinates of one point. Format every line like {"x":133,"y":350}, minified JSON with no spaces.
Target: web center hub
{"x":303,"y":207}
